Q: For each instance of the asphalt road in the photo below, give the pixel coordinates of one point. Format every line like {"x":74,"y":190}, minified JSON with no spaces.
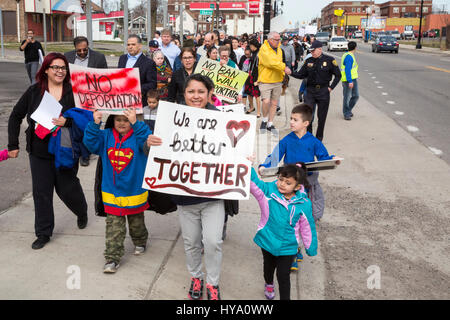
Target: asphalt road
{"x":14,"y":173}
{"x":413,"y":88}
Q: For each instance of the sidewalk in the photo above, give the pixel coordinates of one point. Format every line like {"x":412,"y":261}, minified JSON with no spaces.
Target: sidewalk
{"x":374,"y":148}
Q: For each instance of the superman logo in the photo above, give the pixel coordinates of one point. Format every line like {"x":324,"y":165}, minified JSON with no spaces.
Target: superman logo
{"x":120,"y":158}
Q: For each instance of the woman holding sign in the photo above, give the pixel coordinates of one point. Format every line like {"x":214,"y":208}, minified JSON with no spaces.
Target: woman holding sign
{"x":176,"y":85}
{"x":54,"y":78}
{"x":200,"y":218}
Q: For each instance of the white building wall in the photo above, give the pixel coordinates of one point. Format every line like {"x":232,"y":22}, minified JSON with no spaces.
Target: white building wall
{"x":188,"y":24}
{"x":97,"y":35}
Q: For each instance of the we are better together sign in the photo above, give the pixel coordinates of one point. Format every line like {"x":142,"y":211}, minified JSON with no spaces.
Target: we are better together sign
{"x":228,"y":81}
{"x":107,"y":90}
{"x":203,"y":153}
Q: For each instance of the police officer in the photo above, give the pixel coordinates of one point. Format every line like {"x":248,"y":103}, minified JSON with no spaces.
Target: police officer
{"x":318,"y":71}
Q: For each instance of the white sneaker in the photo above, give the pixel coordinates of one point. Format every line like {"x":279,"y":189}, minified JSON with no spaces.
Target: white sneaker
{"x":111,"y":267}
{"x":139,"y":250}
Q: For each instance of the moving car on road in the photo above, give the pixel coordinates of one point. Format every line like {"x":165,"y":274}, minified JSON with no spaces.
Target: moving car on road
{"x":385,"y":43}
{"x":337,"y":43}
{"x":323,"y":37}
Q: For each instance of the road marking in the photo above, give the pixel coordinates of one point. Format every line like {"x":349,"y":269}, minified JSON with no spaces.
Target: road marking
{"x":376,"y":82}
{"x":390,"y":102}
{"x":366,"y":70}
{"x":374,"y":77}
{"x":370,"y":73}
{"x":380,"y":87}
{"x":435,"y":151}
{"x":399,"y":113}
{"x":384,"y":93}
{"x":412,"y":129}
{"x":437,"y":69}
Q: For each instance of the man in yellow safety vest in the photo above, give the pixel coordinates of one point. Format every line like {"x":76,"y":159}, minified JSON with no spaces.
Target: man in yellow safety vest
{"x":349,"y":72}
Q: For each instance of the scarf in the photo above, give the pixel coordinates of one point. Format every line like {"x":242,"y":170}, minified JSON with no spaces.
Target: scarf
{"x":161,"y":68}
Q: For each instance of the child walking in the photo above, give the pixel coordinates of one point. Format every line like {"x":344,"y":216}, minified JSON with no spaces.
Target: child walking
{"x":286,"y":216}
{"x":301,"y":146}
{"x":150,"y":111}
{"x":120,"y":148}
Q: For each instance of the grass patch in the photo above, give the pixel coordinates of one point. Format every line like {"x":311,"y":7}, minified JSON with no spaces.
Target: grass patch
{"x":61,"y":48}
{"x":430,"y":43}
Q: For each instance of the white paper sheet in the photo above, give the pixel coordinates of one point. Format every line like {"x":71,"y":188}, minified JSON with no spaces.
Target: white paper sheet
{"x":48,"y":109}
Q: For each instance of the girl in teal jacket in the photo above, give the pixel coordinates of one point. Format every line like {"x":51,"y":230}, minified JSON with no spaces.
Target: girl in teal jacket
{"x":286,"y":216}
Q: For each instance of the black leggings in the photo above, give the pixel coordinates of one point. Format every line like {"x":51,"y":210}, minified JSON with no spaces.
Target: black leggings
{"x":283,"y":266}
{"x":46,"y":179}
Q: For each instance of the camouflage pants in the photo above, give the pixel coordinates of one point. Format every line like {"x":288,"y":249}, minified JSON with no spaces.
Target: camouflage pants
{"x":116,"y":231}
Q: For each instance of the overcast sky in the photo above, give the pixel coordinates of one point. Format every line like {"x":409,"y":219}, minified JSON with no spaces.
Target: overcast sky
{"x":304,"y":10}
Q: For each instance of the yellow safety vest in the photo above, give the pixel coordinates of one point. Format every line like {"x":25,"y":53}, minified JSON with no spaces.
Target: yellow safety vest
{"x":354,"y":71}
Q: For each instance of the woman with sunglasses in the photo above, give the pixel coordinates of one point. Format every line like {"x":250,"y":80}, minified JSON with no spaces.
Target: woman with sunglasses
{"x":53,"y":77}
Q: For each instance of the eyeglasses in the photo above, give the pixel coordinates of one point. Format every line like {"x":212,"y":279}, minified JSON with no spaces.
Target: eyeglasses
{"x":224,"y":56}
{"x":188,"y":58}
{"x":56,"y":68}
{"x":83,"y":50}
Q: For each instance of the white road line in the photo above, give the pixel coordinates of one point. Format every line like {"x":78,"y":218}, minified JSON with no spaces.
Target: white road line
{"x":435,"y":151}
{"x":376,"y":82}
{"x":412,"y":128}
{"x":366,"y":70}
{"x":390,"y":102}
{"x":370,"y":73}
{"x":374,"y":77}
{"x":380,"y":87}
{"x":399,"y":113}
{"x":384,"y":93}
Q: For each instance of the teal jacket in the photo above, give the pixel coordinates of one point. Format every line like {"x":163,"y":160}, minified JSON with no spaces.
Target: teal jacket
{"x":283,"y":222}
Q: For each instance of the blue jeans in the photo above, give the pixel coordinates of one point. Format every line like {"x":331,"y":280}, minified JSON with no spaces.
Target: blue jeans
{"x":351,"y":96}
{"x":32,"y":69}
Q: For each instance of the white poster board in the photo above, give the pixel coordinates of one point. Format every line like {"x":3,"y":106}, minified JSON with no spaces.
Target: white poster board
{"x":203,"y":153}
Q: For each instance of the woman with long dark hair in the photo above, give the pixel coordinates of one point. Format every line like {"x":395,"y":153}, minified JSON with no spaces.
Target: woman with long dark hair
{"x":176,"y":85}
{"x":53,"y":77}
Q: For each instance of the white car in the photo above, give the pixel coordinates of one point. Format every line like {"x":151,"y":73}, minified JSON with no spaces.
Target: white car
{"x":337,"y":43}
{"x":357,"y":35}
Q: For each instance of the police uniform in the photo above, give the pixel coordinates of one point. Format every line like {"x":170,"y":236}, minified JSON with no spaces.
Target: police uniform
{"x":318,"y":72}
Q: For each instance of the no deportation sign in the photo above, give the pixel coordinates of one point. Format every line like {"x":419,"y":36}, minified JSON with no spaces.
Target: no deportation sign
{"x":107,"y":90}
{"x":203,"y":153}
{"x":228,"y":81}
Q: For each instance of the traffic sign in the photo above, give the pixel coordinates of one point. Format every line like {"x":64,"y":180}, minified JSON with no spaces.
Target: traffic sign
{"x":206,"y":12}
{"x":212,"y":5}
{"x":209,"y":19}
{"x":338,"y":13}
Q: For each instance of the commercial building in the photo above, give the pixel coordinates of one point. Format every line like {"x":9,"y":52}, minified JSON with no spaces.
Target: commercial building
{"x":236,"y":17}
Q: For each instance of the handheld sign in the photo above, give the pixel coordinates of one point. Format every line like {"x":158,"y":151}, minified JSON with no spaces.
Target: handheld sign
{"x":203,"y":153}
{"x":107,"y":90}
{"x":228,"y":81}
{"x":48,"y":109}
{"x":310,"y":166}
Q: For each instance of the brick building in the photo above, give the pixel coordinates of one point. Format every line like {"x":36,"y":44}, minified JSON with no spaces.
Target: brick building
{"x":394,"y":15}
{"x":14,"y":27}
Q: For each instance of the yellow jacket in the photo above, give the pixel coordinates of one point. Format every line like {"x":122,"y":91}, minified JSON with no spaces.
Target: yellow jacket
{"x":271,"y":66}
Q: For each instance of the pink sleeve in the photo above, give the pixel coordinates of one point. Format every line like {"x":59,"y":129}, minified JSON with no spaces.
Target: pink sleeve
{"x":3,"y":154}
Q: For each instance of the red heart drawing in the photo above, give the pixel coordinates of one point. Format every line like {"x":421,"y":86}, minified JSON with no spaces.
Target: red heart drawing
{"x":120,"y":158}
{"x":150,"y":181}
{"x":233,"y":124}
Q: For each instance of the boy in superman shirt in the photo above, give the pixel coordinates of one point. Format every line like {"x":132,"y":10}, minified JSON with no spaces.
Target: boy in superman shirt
{"x":301,"y":146}
{"x":121,"y":150}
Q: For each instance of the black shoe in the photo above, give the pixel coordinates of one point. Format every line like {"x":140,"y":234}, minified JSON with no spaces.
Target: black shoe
{"x":82,"y":222}
{"x":263,"y":125}
{"x":84,"y":162}
{"x":40,"y":242}
{"x":273,"y":130}
{"x":348,"y":118}
{"x":351,"y":115}
{"x":196,"y":290}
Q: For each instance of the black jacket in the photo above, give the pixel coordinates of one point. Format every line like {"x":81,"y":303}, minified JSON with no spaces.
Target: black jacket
{"x":26,"y":105}
{"x":176,"y":85}
{"x":319,"y":71}
{"x":95,"y":60}
{"x":147,"y":73}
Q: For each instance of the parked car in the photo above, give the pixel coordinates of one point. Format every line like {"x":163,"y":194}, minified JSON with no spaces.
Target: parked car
{"x":408,"y":33}
{"x":337,"y":43}
{"x":393,"y":33}
{"x":431,"y":33}
{"x":357,"y":34}
{"x":323,"y":37}
{"x":143,"y":36}
{"x":385,"y":43}
{"x":416,"y":33}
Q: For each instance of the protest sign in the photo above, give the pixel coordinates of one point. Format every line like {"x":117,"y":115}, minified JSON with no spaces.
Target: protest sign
{"x":228,"y":81}
{"x":108,"y":90}
{"x":237,"y":108}
{"x":48,"y":109}
{"x":203,"y":153}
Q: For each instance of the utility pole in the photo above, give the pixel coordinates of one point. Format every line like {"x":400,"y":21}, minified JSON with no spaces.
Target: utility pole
{"x":366,"y":36}
{"x":165,"y":17}
{"x":149,"y":21}
{"x":1,"y":33}
{"x":89,"y":22}
{"x":125,"y":25}
{"x":266,"y":26}
{"x":218,"y":14}
{"x":418,"y":45}
{"x":181,"y":24}
{"x":45,"y":29}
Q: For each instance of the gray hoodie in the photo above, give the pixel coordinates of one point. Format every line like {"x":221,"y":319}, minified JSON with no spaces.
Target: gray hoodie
{"x":289,"y":53}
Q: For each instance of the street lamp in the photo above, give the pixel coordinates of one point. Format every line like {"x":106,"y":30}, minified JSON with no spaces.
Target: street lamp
{"x":418,"y":45}
{"x":367,"y":24}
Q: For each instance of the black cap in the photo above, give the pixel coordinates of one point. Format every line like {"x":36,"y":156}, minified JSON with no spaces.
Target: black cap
{"x":153,"y":44}
{"x":316,"y":44}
